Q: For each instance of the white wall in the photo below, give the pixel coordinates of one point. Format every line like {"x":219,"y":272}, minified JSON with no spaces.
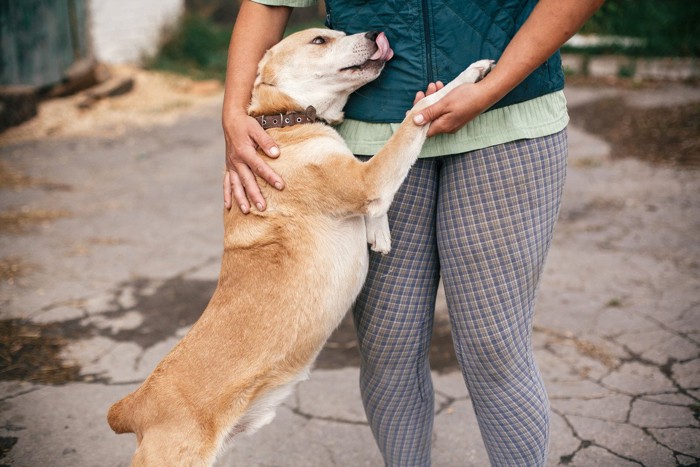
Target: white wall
{"x":125,"y":31}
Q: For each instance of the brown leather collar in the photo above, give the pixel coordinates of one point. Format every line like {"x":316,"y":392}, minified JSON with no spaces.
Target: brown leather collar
{"x":289,"y":119}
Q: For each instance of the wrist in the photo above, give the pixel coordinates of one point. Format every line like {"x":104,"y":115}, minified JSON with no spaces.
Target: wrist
{"x":231,"y":115}
{"x":489,"y":93}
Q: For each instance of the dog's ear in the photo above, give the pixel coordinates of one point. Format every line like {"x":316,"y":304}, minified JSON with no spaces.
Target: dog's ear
{"x":267,"y":98}
{"x":267,"y":72}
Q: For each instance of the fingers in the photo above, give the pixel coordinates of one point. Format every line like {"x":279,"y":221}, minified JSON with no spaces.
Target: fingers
{"x":434,"y":87}
{"x":419,"y":95}
{"x":448,"y":122}
{"x":266,"y":143}
{"x":240,"y":183}
{"x":249,"y":189}
{"x":233,"y":190}
{"x":243,"y":163}
{"x":239,"y":196}
{"x":258,"y":166}
{"x":429,"y":114}
{"x":423,"y":118}
{"x":441,"y":125}
{"x":227,"y":189}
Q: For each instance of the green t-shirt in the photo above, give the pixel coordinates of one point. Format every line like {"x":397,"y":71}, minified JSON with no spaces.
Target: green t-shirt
{"x":535,"y":118}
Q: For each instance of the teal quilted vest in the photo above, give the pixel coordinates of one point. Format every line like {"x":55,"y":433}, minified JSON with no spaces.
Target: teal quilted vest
{"x":435,"y":40}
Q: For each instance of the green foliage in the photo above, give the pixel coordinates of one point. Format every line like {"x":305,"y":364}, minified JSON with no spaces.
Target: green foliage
{"x":198,"y":47}
{"x":668,"y":27}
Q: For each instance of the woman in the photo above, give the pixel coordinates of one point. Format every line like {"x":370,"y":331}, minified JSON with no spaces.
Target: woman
{"x":478,"y":209}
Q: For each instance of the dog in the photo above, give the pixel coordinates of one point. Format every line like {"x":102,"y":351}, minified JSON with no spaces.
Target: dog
{"x":289,"y":273}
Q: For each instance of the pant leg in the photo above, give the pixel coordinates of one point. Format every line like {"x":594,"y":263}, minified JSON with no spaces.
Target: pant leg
{"x":394,"y":317}
{"x":496,"y":213}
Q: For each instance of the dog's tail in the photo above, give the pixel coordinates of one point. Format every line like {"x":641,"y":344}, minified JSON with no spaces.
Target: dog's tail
{"x":120,"y":415}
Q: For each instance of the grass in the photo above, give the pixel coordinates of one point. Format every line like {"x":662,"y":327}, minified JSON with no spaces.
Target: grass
{"x":667,"y":28}
{"x":197,"y":47}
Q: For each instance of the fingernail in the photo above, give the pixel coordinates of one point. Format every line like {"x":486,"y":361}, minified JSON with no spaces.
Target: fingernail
{"x":274,"y":151}
{"x":260,"y":207}
{"x":278,"y":185}
{"x":418,"y":119}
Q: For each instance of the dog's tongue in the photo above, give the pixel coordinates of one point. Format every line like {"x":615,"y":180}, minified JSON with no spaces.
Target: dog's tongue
{"x":384,"y":51}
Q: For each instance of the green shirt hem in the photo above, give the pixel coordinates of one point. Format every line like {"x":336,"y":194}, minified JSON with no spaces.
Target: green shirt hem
{"x":535,"y":118}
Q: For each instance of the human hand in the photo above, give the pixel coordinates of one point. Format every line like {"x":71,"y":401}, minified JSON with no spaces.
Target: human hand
{"x":243,"y":136}
{"x":452,"y":112}
{"x":432,"y":88}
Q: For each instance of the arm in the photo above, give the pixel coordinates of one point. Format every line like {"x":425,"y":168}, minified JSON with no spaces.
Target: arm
{"x":549,"y":26}
{"x":242,"y":133}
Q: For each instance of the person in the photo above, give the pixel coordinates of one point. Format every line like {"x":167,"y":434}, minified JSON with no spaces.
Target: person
{"x":478,"y":208}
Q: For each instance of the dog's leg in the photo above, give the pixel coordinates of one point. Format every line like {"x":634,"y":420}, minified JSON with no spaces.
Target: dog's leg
{"x":386,"y":171}
{"x":475,"y":72}
{"x":378,"y":234}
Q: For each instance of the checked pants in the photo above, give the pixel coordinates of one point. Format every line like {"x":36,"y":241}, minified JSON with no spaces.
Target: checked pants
{"x":483,"y":221}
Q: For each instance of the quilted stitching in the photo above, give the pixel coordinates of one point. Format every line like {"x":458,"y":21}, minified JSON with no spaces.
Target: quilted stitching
{"x":475,"y":29}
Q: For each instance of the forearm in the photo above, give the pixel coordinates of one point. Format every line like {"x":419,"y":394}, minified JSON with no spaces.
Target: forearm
{"x":258,"y":27}
{"x":247,"y":47}
{"x":549,"y":26}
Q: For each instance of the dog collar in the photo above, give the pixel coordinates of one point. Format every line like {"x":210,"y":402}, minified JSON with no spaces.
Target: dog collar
{"x":288,"y":119}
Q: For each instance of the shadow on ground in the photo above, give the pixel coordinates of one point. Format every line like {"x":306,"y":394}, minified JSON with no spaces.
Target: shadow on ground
{"x":32,"y":351}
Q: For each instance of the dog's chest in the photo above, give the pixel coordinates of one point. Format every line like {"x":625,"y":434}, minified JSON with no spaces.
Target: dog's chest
{"x":341,"y":246}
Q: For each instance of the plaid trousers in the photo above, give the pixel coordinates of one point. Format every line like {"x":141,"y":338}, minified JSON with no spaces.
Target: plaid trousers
{"x":484,"y":222}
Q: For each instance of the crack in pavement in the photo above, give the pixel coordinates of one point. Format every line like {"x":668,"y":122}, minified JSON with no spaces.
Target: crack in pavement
{"x":676,"y":332}
{"x":584,"y":443}
{"x":666,"y":369}
{"x":448,"y":402}
{"x":308,"y":416}
{"x":22,"y":393}
{"x":614,"y":364}
{"x":675,"y":452}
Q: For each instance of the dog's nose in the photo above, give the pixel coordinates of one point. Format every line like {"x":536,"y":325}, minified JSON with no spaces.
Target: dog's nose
{"x":372,"y":35}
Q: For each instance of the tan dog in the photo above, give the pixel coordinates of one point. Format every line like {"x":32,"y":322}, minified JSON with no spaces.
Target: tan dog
{"x":288,"y":274}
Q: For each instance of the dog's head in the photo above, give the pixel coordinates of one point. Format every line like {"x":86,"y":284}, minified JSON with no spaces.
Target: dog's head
{"x":318,"y":67}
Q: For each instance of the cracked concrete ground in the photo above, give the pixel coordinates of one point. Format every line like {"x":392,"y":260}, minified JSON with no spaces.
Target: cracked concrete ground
{"x":133,"y":258}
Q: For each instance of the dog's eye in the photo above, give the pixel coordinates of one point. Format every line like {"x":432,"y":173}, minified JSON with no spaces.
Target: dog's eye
{"x":318,"y":40}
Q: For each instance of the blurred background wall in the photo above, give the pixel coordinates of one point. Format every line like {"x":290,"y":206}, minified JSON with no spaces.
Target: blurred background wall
{"x":126,"y":31}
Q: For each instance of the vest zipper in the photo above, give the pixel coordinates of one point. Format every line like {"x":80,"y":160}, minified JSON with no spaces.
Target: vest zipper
{"x":428,"y":47}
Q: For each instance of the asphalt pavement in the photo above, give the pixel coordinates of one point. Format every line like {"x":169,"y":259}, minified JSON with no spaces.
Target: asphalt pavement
{"x":112,"y":247}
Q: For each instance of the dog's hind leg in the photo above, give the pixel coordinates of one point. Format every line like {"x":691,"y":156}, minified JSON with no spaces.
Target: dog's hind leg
{"x":181,"y":447}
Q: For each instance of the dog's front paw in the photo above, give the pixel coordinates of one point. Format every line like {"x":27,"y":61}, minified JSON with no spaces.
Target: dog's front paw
{"x":476,"y":71}
{"x":483,"y":67}
{"x":378,"y":234}
{"x":381,"y":243}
